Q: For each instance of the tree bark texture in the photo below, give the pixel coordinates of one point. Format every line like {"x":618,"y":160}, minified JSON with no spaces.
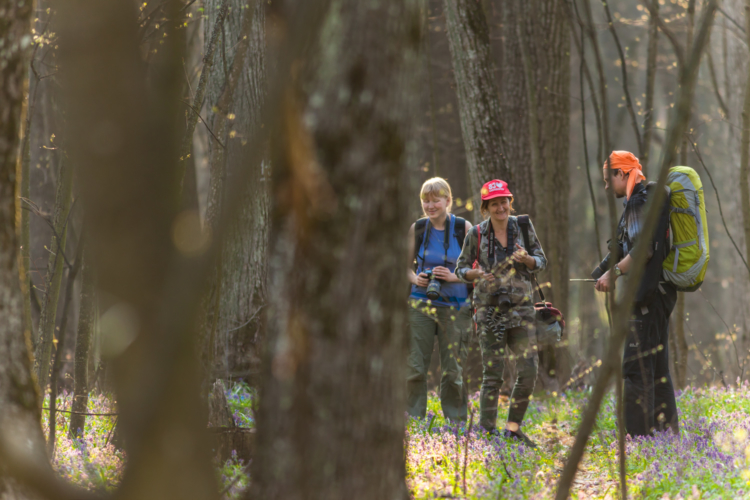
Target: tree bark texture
{"x":548,"y":36}
{"x":745,"y":152}
{"x":479,"y":101}
{"x":514,"y":99}
{"x":124,"y":141}
{"x":84,"y":337}
{"x":331,"y":416}
{"x":19,"y":401}
{"x":25,"y":234}
{"x":55,"y":267}
{"x":681,"y":355}
{"x":544,"y":193}
{"x":442,"y":143}
{"x":680,"y":341}
{"x":60,"y":347}
{"x":236,"y":327}
{"x":192,"y":114}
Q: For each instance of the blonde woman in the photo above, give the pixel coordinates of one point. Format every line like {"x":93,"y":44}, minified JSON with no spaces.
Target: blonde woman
{"x":439,"y":301}
{"x":495,"y":257}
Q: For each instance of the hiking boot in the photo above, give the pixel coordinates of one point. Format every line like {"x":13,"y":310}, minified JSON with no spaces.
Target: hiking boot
{"x":507,"y":434}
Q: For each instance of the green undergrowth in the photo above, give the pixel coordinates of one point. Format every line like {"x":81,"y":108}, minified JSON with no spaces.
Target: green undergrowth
{"x":94,"y":462}
{"x":710,"y":459}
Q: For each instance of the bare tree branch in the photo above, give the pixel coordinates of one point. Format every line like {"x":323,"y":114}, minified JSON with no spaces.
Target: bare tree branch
{"x":584,"y":71}
{"x":200,"y":94}
{"x":715,"y":84}
{"x":624,"y":69}
{"x":731,"y":19}
{"x":698,"y":155}
{"x":679,"y":51}
{"x":648,"y":121}
{"x":612,"y":310}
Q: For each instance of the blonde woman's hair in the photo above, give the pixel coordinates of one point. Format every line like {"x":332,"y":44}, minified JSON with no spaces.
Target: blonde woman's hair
{"x":437,"y":187}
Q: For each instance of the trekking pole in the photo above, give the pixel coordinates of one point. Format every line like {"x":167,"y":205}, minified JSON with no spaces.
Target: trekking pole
{"x":591,"y":280}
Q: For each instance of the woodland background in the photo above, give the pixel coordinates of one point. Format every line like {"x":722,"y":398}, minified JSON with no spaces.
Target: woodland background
{"x":235,"y":179}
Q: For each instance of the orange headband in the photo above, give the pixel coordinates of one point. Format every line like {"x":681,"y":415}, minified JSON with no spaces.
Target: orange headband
{"x":628,"y":163}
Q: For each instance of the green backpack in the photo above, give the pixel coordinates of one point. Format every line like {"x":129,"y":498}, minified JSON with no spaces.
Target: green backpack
{"x":686,"y":263}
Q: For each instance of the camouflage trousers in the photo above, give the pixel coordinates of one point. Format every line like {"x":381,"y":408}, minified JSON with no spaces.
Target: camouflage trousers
{"x":512,"y":333}
{"x":452,"y":328}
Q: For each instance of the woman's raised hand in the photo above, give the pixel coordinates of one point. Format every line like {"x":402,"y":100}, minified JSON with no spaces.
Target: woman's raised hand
{"x":522,"y":256}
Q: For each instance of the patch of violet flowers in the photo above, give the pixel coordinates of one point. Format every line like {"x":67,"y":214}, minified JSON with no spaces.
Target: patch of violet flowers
{"x":710,"y":459}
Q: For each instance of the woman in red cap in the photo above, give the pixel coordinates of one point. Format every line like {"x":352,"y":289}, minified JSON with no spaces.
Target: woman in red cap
{"x":495,"y":258}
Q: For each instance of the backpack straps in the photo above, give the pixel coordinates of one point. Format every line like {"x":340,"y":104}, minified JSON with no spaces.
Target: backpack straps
{"x":479,"y":246}
{"x":419,"y":229}
{"x":459,"y":230}
{"x":524,"y":223}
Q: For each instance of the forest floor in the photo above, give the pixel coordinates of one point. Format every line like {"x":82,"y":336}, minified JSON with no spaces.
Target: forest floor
{"x":711,"y":459}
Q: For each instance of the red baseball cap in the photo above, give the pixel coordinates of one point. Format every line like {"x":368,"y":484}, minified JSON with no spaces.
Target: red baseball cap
{"x":496,"y":189}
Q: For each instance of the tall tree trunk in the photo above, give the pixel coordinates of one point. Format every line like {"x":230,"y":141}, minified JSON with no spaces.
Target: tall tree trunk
{"x":331,"y":416}
{"x":192,"y":114}
{"x":236,"y":327}
{"x":19,"y":400}
{"x":25,"y":240}
{"x":515,"y":113}
{"x":680,"y":355}
{"x":537,"y":170}
{"x":84,"y":336}
{"x":140,"y":248}
{"x":542,"y":192}
{"x":479,"y":102}
{"x":442,"y":120}
{"x":60,"y":350}
{"x":745,"y":152}
{"x":55,"y":267}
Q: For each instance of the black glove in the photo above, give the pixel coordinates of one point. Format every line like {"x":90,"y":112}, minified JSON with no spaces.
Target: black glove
{"x":601,"y":268}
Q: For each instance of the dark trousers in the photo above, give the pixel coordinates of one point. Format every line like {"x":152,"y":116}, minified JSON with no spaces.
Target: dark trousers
{"x":649,"y":395}
{"x":493,"y":362}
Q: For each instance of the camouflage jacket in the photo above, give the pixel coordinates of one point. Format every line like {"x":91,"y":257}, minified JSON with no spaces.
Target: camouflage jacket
{"x":515,"y":276}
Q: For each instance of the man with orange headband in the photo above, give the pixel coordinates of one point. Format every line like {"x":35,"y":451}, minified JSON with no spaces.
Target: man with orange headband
{"x":649,"y":395}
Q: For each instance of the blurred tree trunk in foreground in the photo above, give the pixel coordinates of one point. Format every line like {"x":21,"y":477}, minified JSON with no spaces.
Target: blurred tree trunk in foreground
{"x":123,"y":140}
{"x":19,"y":402}
{"x":544,"y":191}
{"x":479,"y":102}
{"x":331,"y":416}
{"x":236,"y":326}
